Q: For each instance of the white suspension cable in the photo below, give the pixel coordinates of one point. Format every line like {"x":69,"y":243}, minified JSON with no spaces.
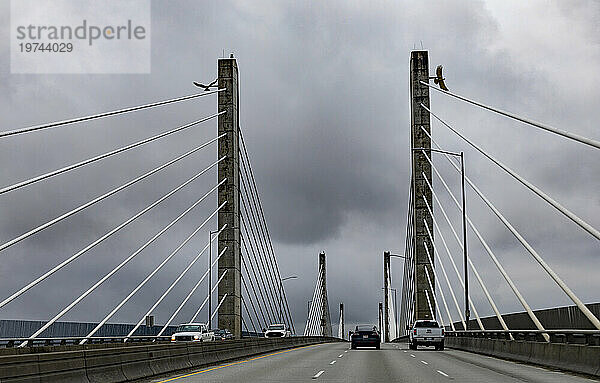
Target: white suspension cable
{"x":314,"y":311}
{"x":217,"y":308}
{"x":153,"y":273}
{"x":588,"y":314}
{"x":212,"y":290}
{"x":566,"y":212}
{"x":105,"y":236}
{"x":181,"y":275}
{"x":572,"y":136}
{"x":460,"y":244}
{"x":508,"y":279}
{"x":308,"y":318}
{"x":437,"y":254}
{"x":449,"y":254}
{"x":318,"y":311}
{"x":105,"y":114}
{"x":123,"y":263}
{"x":65,"y":169}
{"x":429,"y":304}
{"x":437,"y":306}
{"x":437,"y":282}
{"x":104,"y":196}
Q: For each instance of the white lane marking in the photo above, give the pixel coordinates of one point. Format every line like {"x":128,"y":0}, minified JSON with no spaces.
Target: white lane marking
{"x":318,"y":374}
{"x":339,"y":356}
{"x":442,"y":373}
{"x":412,"y":355}
{"x":346,"y":351}
{"x":332,"y":362}
{"x":404,"y":351}
{"x":424,"y":362}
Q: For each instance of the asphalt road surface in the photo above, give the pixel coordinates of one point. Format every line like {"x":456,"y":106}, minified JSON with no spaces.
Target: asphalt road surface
{"x":335,"y":362}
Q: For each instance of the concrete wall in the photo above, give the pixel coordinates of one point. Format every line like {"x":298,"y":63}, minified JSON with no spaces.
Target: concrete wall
{"x":569,"y":357}
{"x":111,"y":363}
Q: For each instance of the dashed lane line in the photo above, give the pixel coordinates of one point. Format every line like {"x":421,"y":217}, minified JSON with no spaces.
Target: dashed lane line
{"x":442,"y":373}
{"x":332,"y":362}
{"x":424,"y":362}
{"x":234,"y":363}
{"x":318,"y":374}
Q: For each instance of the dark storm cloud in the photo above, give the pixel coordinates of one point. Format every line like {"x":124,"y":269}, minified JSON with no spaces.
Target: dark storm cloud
{"x":324,"y":110}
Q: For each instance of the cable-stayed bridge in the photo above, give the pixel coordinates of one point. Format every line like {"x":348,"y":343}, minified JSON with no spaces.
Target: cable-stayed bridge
{"x":238,"y":286}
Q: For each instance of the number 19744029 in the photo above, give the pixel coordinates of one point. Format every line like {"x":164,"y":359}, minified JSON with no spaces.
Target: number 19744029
{"x":46,"y":47}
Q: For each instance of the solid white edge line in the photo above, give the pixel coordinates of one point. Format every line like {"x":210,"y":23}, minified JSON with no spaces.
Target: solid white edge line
{"x":318,"y":374}
{"x":442,"y":373}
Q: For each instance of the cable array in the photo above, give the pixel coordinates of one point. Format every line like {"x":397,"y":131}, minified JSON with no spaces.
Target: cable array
{"x":78,"y":256}
{"x":408,"y":281}
{"x":318,"y":322}
{"x":260,"y":268}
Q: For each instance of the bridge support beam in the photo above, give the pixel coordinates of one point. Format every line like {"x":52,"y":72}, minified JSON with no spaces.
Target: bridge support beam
{"x":419,"y":94}
{"x":230,"y":311}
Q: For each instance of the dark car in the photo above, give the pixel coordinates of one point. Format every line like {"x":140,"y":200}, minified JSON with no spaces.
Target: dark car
{"x":223,"y":334}
{"x":365,"y":336}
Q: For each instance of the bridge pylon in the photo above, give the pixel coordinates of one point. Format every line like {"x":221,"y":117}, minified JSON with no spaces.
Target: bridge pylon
{"x":230,"y":310}
{"x":421,"y":173}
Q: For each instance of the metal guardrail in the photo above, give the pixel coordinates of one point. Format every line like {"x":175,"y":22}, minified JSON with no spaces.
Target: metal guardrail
{"x":13,"y":342}
{"x":61,"y":341}
{"x":571,"y":336}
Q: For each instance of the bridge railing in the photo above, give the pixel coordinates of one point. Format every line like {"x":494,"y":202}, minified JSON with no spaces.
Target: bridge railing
{"x":571,"y":336}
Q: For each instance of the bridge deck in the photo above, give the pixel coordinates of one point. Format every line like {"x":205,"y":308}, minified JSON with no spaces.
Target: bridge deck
{"x":394,"y":362}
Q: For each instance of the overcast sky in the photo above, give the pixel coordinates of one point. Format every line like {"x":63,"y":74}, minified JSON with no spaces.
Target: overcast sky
{"x":325,"y":113}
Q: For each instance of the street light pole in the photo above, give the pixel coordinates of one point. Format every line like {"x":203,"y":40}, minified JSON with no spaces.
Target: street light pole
{"x":395,"y":297}
{"x":281,"y":295}
{"x":464,"y":227}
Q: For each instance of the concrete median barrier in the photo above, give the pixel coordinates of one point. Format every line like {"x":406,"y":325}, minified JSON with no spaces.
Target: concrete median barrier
{"x":570,"y":357}
{"x":135,"y":362}
{"x":114,"y":362}
{"x":64,"y":367}
{"x":103,"y":365}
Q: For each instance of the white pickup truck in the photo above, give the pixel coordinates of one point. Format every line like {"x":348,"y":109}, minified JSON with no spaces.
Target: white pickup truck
{"x":193,"y":332}
{"x":426,"y":333}
{"x":277,"y":330}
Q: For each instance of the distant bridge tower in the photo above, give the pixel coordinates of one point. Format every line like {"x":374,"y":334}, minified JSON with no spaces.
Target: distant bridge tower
{"x":341,"y":329}
{"x":421,"y":170}
{"x":319,"y":318}
{"x":230,"y":311}
{"x":325,"y":316}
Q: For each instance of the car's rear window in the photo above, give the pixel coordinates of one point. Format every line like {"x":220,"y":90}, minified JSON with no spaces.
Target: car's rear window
{"x":365,"y":327}
{"x":426,"y":323}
